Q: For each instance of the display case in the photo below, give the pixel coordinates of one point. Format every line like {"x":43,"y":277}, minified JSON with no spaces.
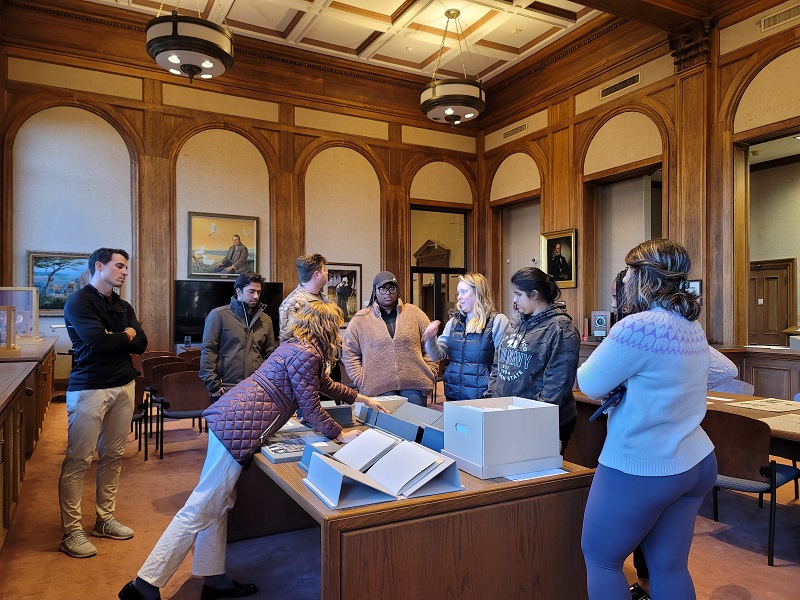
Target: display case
{"x":26,"y":321}
{"x":8,"y":331}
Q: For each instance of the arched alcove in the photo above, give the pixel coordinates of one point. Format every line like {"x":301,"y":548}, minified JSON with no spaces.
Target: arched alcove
{"x":517,"y":174}
{"x":343,"y":211}
{"x":771,"y":96}
{"x":624,"y":139}
{"x":441,"y":181}
{"x":71,"y":193}
{"x":221,"y":172}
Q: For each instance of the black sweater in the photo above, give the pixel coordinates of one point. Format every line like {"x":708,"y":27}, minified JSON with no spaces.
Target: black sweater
{"x":101,"y":349}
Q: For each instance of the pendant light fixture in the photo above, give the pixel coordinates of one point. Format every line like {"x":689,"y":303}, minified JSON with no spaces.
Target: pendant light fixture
{"x":190,"y":46}
{"x":453,"y":100}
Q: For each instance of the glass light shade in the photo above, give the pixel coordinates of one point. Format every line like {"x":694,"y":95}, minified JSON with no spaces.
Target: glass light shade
{"x":452,"y":100}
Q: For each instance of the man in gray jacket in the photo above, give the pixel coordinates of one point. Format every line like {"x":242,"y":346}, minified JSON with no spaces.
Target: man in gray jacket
{"x":237,"y":338}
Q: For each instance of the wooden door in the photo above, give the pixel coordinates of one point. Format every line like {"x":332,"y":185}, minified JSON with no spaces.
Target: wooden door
{"x":770,"y":297}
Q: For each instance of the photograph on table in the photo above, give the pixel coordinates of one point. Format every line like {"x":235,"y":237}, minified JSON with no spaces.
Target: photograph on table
{"x":57,"y":275}
{"x":560,"y":257}
{"x":344,"y":287}
{"x":222,"y":246}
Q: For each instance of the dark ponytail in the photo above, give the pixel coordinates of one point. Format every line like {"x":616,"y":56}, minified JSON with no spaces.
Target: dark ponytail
{"x":530,"y":279}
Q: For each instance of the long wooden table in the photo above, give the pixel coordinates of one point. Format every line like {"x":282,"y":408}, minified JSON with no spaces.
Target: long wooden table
{"x":494,"y":539}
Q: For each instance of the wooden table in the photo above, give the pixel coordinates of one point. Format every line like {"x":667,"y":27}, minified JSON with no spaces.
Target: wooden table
{"x":785,"y":442}
{"x":495,"y":539}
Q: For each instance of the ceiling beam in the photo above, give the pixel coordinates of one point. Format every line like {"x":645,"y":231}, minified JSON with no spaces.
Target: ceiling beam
{"x":667,"y":15}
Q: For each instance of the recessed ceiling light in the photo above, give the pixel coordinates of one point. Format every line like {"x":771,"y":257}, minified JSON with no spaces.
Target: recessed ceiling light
{"x":469,"y":115}
{"x":448,"y":111}
{"x":174,"y":59}
{"x":175,"y":72}
{"x":456,"y":122}
{"x":516,"y":31}
{"x":207,"y":64}
{"x":409,"y":48}
{"x":206,"y":76}
{"x":797,"y":137}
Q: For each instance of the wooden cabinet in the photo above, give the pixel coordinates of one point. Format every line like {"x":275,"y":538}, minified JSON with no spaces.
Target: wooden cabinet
{"x":14,"y":394}
{"x":40,"y":382}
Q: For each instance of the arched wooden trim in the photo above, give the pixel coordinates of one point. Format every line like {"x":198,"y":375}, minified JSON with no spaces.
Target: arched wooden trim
{"x":416,"y":164}
{"x":16,"y":117}
{"x":528,"y":147}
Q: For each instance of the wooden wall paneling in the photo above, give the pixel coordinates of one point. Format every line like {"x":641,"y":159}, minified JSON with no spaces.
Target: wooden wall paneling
{"x":687,"y":212}
{"x":557,"y":202}
{"x":156,"y":202}
{"x":396,"y":219}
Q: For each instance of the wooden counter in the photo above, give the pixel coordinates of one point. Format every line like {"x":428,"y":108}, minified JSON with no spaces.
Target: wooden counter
{"x":40,"y":380}
{"x":15,"y":399}
{"x":495,"y":539}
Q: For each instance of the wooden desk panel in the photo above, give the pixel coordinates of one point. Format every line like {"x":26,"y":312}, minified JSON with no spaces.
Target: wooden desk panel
{"x":497,"y":538}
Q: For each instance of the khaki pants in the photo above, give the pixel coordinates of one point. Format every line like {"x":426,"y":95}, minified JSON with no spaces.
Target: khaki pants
{"x":97,"y":419}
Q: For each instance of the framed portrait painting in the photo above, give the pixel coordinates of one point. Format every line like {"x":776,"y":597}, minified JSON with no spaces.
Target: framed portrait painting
{"x":222,"y":246}
{"x":57,"y":275}
{"x":344,"y":287}
{"x":560,"y":257}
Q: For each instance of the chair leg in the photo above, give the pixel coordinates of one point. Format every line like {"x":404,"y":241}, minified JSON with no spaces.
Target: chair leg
{"x":715,"y":504}
{"x":161,"y":433}
{"x":772,"y":493}
{"x":760,"y":500}
{"x":796,"y":483}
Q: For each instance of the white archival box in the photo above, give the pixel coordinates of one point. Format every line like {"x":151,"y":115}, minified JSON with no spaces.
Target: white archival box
{"x":495,"y":437}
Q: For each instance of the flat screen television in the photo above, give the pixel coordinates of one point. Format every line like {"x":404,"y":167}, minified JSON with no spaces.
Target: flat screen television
{"x":195,"y":299}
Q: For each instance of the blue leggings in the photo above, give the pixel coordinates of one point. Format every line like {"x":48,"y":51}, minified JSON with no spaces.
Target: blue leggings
{"x":658,"y":512}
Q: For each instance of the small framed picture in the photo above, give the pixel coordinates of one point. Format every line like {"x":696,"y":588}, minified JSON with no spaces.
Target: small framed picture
{"x":344,"y":286}
{"x":560,"y":257}
{"x":57,"y":275}
{"x":222,"y":246}
{"x":696,"y":286}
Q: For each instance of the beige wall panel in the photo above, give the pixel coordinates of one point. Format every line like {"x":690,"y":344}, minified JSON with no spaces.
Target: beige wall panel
{"x":521,"y":228}
{"x":518,"y":173}
{"x":772,"y":96}
{"x":238,"y":184}
{"x":622,"y":223}
{"x":749,"y":31}
{"x":185,"y":97}
{"x":441,"y":181}
{"x":626,"y":138}
{"x":774,"y":215}
{"x":61,"y":204}
{"x":651,"y":72}
{"x":84,"y":80}
{"x":317,"y":119}
{"x":343,"y":212}
{"x":438,"y":139}
{"x":535,"y":122}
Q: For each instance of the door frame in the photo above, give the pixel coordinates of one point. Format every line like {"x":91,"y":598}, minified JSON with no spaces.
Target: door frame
{"x":790,"y":264}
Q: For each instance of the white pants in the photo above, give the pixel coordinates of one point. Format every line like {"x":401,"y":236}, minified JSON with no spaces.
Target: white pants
{"x":203,"y":518}
{"x":97,"y":419}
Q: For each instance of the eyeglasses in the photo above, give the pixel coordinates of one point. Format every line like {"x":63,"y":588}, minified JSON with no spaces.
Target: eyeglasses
{"x":388,"y":289}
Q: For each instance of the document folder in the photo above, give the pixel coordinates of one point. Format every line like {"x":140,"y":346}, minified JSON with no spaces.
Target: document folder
{"x":341,"y":486}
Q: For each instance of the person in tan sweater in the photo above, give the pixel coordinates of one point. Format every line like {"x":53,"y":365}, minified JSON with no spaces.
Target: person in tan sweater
{"x":382,"y":350}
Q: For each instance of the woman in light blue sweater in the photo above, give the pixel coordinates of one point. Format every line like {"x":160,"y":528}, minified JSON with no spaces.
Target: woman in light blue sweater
{"x":657,"y":464}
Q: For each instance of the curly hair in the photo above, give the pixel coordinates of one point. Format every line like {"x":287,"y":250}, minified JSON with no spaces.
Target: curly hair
{"x":659,"y":272}
{"x":483,"y":301}
{"x":318,"y":322}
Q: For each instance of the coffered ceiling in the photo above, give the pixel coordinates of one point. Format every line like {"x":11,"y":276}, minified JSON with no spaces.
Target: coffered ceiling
{"x":398,"y":34}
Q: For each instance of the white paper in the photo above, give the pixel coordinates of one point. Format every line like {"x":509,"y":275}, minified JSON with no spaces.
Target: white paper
{"x":365,"y":449}
{"x":401,"y":466}
{"x":769,"y":405}
{"x":535,"y":474}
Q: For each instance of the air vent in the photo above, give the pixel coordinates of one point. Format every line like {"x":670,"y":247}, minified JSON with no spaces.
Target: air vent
{"x":620,"y":85}
{"x":780,"y":18}
{"x":515,"y":131}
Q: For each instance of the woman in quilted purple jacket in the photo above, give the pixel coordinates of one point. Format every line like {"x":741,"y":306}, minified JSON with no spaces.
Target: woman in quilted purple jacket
{"x":293,"y":376}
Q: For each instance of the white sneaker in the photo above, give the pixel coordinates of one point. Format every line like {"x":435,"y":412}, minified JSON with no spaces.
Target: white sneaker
{"x":111,"y":528}
{"x":77,"y":545}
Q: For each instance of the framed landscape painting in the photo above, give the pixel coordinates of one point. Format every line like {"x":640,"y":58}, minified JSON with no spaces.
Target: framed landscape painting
{"x":222,"y":246}
{"x":57,"y":275}
{"x":344,"y":287}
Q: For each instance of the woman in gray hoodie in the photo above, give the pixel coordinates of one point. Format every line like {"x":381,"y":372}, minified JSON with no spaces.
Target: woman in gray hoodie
{"x":537,"y":357}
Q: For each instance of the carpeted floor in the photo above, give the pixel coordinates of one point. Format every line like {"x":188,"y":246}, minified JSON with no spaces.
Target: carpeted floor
{"x":728,"y":559}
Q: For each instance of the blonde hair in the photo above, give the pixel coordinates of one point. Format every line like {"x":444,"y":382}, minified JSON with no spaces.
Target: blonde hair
{"x":659,"y":271}
{"x":318,"y":323}
{"x":483,"y":301}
